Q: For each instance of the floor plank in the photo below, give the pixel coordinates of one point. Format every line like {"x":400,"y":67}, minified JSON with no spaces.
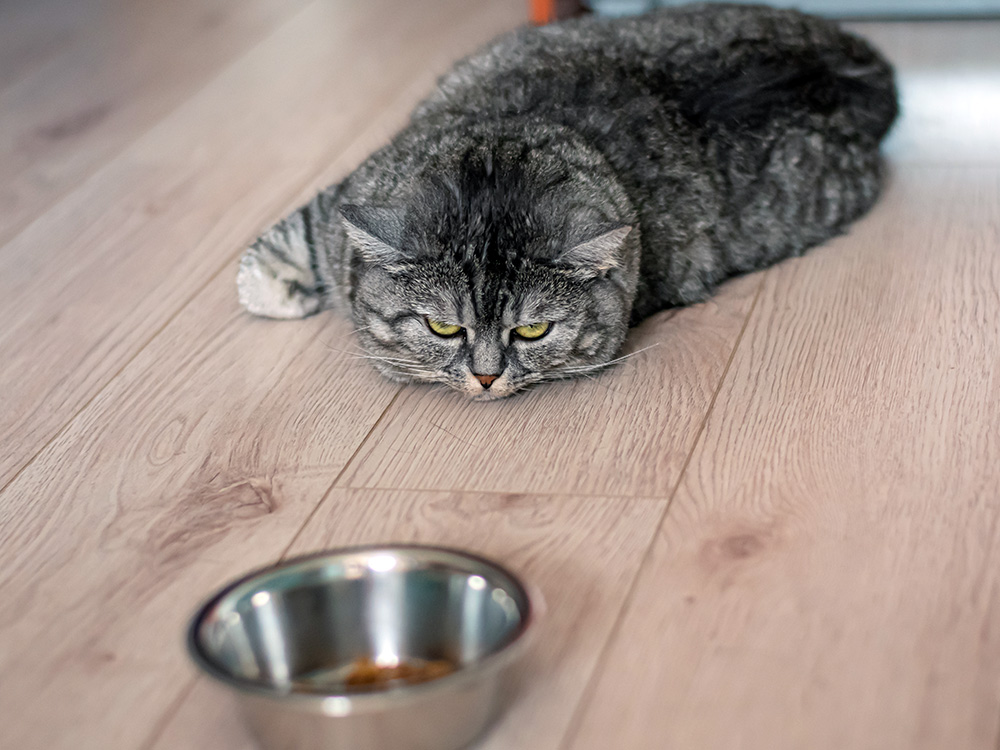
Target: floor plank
{"x":206,"y":455}
{"x":148,"y":229}
{"x":626,"y":432}
{"x":829,"y":573}
{"x":581,"y":553}
{"x":33,"y":31}
{"x":94,"y":76}
{"x":199,"y":459}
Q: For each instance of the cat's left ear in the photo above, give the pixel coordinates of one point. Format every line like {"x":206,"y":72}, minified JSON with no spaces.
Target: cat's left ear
{"x":377,"y":231}
{"x":599,"y":254}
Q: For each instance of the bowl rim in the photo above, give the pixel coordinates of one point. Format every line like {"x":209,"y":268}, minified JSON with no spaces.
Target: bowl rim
{"x":344,"y":702}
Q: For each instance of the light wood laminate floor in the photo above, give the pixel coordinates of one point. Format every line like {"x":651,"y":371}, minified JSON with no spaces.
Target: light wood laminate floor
{"x":777,"y":527}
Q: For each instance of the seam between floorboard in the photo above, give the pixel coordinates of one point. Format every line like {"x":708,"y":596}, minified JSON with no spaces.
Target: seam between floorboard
{"x":586,"y":696}
{"x":165,"y":718}
{"x":300,"y":195}
{"x":111,"y":379}
{"x":223,"y":66}
{"x":219,"y":72}
{"x":569,"y":734}
{"x":340,"y":473}
{"x":182,"y":696}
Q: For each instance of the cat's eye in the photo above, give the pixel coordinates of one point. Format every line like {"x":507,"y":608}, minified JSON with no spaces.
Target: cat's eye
{"x":533,"y":331}
{"x":447,"y":330}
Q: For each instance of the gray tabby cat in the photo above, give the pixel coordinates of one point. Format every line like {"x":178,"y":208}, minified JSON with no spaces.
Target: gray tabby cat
{"x":568,"y":181}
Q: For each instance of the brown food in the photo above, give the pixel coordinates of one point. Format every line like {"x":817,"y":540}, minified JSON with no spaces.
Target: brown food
{"x":365,"y":673}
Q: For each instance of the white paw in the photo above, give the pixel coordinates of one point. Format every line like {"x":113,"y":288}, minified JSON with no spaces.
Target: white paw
{"x":273,"y":288}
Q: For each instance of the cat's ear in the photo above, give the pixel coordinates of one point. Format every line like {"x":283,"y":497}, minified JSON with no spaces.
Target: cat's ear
{"x":377,"y":231}
{"x":598,"y":254}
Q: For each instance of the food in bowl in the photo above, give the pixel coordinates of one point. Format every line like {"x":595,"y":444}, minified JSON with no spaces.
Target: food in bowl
{"x":366,"y":674}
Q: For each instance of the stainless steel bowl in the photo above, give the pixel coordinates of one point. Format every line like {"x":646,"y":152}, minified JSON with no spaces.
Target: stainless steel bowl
{"x":285,"y":638}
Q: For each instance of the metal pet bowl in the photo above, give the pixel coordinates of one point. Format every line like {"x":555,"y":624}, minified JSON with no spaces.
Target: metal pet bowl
{"x":292,"y":642}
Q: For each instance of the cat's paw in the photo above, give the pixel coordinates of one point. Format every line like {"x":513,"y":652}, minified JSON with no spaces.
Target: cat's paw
{"x":273,"y":287}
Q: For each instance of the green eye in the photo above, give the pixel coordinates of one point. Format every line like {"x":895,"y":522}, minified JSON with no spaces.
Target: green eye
{"x":533,"y":331}
{"x":443,"y":329}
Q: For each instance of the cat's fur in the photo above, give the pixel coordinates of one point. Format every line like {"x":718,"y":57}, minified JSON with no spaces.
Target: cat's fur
{"x":586,"y":174}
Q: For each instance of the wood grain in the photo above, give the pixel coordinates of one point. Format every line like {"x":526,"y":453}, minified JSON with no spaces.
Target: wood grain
{"x":581,"y":553}
{"x":208,"y":450}
{"x":205,"y":456}
{"x":92,"y":77}
{"x":148,"y":229}
{"x":626,"y":432}
{"x":32,"y":31}
{"x":829,"y":573}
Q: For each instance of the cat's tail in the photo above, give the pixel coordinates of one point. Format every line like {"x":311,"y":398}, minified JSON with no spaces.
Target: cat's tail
{"x":857,"y":80}
{"x":847,"y":83}
{"x":283,"y":273}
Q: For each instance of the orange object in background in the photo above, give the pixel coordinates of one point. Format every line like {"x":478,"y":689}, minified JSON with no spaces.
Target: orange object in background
{"x":543,"y":11}
{"x":547,"y":11}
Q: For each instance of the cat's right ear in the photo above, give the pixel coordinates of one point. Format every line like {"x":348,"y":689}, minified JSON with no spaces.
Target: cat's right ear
{"x":377,"y":231}
{"x":598,"y":254}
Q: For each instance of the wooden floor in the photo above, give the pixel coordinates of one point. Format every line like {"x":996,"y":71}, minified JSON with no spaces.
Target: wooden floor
{"x":778,"y":527}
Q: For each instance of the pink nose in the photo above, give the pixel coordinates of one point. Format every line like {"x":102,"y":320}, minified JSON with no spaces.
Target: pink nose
{"x":486,"y":380}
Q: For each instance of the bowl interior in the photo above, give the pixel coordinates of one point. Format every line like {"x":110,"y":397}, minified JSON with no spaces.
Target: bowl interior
{"x":302,"y":627}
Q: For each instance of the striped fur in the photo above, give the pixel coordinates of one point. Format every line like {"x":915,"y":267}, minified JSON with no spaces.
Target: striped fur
{"x":586,"y":174}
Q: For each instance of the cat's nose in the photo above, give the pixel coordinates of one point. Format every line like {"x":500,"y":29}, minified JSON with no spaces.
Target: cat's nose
{"x":485,"y":380}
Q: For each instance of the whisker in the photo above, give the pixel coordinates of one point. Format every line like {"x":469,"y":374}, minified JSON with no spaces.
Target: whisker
{"x":423,"y":373}
{"x":362,"y":354}
{"x":378,"y":358}
{"x":602,"y":365}
{"x":332,"y":348}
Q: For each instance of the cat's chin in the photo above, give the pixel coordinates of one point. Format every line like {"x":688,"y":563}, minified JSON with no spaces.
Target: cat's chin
{"x":501,"y":388}
{"x":489,"y":395}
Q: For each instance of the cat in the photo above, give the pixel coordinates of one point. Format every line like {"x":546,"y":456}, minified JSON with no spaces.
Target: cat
{"x":567,"y":181}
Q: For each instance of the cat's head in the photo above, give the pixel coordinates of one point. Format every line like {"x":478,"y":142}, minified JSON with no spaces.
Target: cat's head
{"x":491,"y":277}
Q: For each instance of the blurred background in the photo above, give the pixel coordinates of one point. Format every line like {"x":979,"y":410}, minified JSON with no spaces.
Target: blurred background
{"x":549,"y":9}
